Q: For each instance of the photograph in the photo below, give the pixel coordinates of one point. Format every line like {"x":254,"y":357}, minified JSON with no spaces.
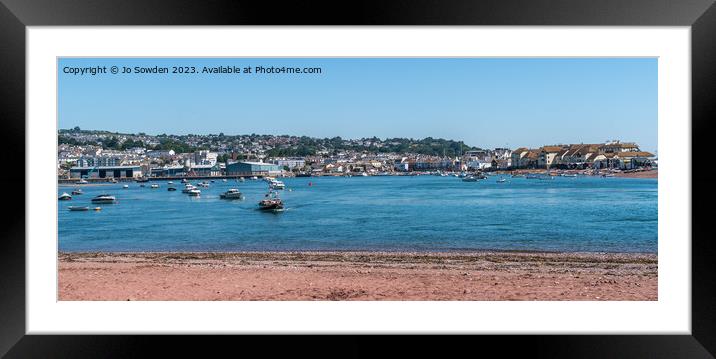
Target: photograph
{"x":357,"y":178}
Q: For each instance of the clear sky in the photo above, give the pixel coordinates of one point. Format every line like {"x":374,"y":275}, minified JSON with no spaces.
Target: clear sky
{"x":489,"y":102}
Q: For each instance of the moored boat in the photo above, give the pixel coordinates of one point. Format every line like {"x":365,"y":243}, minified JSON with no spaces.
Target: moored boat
{"x":125,"y":186}
{"x":65,"y":197}
{"x":77,"y":191}
{"x":188,"y":187}
{"x":78,"y":208}
{"x":154,"y":186}
{"x":104,"y":198}
{"x":194,"y":192}
{"x":469,"y":179}
{"x":171,"y":189}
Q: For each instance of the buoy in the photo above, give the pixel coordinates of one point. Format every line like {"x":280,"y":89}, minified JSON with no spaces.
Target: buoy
{"x":97,"y":208}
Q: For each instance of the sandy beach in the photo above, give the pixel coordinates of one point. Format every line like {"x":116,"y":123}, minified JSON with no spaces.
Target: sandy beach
{"x":357,"y":276}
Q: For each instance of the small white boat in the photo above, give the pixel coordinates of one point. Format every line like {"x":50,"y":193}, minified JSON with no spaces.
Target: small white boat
{"x":501,"y":180}
{"x":241,"y":179}
{"x":65,"y":197}
{"x":203,"y":184}
{"x":194,"y":192}
{"x":223,"y":180}
{"x":188,"y":187}
{"x":276,"y":184}
{"x":183,"y":180}
{"x":104,"y":198}
{"x":82,"y":181}
{"x":125,"y":186}
{"x":469,"y":179}
{"x":154,"y":186}
{"x":254,"y":178}
{"x":170,"y":182}
{"x":232,"y":193}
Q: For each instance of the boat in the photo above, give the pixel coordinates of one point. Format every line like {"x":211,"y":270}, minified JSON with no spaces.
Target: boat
{"x":171,"y":189}
{"x":154,"y":186}
{"x":608,"y":175}
{"x":65,"y":197}
{"x":82,"y":181}
{"x":276,"y":184}
{"x":170,"y":182}
{"x":212,"y":181}
{"x":546,"y":177}
{"x":142,"y":179}
{"x":97,"y":208}
{"x":183,"y":180}
{"x":104,"y":198}
{"x":501,"y":180}
{"x":188,"y":187}
{"x":303,"y":174}
{"x":532,"y":176}
{"x":113,"y":180}
{"x":125,"y":186}
{"x":203,"y":184}
{"x":241,"y":179}
{"x":271,"y":202}
{"x":77,"y":191}
{"x":469,"y":179}
{"x":78,"y":208}
{"x":232,"y":193}
{"x":223,"y":180}
{"x":254,"y":178}
{"x":569,"y":175}
{"x":518,"y":176}
{"x":364,"y":174}
{"x":194,"y":192}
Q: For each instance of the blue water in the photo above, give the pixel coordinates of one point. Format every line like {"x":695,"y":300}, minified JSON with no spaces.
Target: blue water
{"x":373,"y":213}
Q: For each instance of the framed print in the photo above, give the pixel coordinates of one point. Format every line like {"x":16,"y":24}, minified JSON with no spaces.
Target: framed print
{"x":395,"y":170}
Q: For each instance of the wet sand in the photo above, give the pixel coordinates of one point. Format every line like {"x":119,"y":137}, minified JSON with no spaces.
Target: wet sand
{"x":641,"y":174}
{"x":357,"y":276}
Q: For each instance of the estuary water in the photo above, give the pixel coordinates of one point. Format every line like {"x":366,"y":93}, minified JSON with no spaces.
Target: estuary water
{"x":413,"y":213}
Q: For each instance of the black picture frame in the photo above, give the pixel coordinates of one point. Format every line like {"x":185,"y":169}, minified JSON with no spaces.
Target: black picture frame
{"x":700,"y":15}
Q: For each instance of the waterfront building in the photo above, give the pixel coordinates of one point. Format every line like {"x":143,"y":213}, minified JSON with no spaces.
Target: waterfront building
{"x":252,"y":169}
{"x":168,"y":171}
{"x":291,"y":163}
{"x":204,"y":170}
{"x":106,"y":172}
{"x":104,"y":161}
{"x":547,"y":155}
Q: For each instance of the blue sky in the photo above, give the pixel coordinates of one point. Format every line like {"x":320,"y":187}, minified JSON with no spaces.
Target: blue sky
{"x":488,"y":102}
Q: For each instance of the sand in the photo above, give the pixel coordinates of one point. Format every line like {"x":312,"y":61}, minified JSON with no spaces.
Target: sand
{"x":357,"y":276}
{"x":640,"y":174}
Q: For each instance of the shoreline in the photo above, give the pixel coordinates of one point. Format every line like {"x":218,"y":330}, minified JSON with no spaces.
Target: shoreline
{"x":357,"y":275}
